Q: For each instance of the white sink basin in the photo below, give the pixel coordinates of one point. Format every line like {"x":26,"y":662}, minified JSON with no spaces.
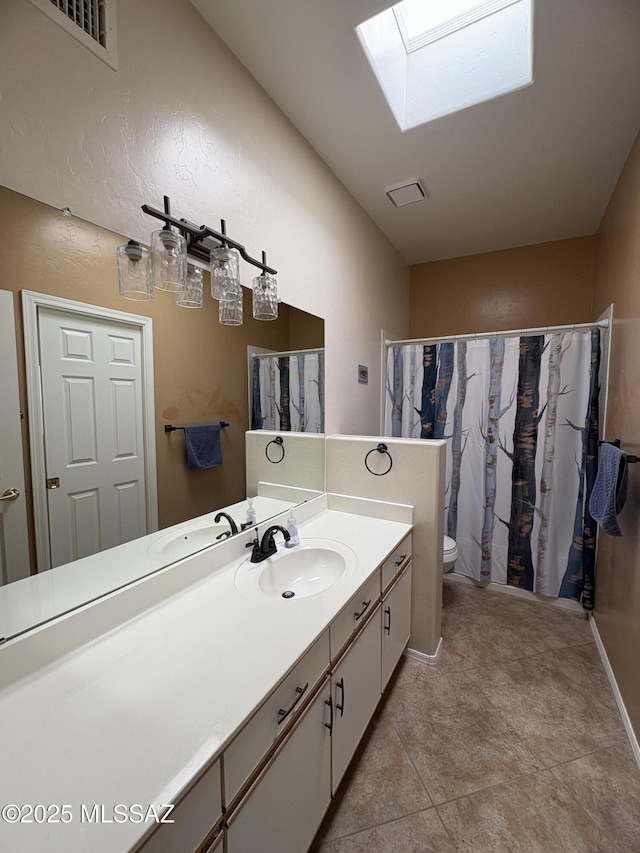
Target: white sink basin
{"x":308,"y":569}
{"x":179,"y":544}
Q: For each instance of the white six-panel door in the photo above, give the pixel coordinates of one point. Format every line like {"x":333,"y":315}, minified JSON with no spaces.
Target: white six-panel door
{"x":94,"y":450}
{"x":14,"y":543}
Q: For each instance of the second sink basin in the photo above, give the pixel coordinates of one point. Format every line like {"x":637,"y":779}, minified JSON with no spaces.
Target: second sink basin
{"x":179,"y":544}
{"x":308,"y":569}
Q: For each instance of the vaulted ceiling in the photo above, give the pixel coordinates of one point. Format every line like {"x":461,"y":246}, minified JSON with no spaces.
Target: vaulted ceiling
{"x":535,"y":165}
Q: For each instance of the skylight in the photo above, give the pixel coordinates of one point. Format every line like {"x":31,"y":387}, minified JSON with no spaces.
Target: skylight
{"x":435,"y":57}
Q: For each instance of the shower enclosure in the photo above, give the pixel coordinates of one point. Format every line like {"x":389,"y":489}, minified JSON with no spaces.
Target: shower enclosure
{"x":519,"y":413}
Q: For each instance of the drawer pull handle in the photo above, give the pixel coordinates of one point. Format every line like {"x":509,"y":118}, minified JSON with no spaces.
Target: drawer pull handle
{"x":387,"y":624}
{"x":401,"y":559}
{"x":365,"y":604}
{"x":282,"y":715}
{"x":329,"y":725}
{"x":340,"y":707}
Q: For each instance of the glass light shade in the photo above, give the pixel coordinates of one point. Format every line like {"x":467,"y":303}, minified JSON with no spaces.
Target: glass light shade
{"x":225,"y":273}
{"x":134,"y":271}
{"x":191,"y":294}
{"x":168,"y":260}
{"x":265,"y":297}
{"x":230,"y":311}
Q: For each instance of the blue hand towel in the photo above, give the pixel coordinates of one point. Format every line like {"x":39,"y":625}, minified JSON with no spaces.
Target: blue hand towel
{"x":610,"y":489}
{"x":203,"y":446}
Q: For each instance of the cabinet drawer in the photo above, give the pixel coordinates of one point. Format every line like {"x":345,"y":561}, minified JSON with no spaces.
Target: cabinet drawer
{"x":355,"y":613}
{"x":391,"y":565}
{"x":283,"y":809}
{"x":251,"y":744}
{"x":193,"y":818}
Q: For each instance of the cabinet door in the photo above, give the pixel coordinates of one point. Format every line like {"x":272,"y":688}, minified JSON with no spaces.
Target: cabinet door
{"x":396,"y":623}
{"x":285,"y":807}
{"x":355,"y":685}
{"x":273,"y":718}
{"x":193,"y":818}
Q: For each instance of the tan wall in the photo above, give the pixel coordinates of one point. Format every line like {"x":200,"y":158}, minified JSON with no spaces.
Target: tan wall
{"x":618,"y":569}
{"x":182,"y":117}
{"x":542,"y":285}
{"x":200,"y":366}
{"x":306,"y":331}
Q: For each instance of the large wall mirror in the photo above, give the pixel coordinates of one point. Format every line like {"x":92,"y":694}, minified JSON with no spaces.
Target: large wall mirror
{"x":201,"y":375}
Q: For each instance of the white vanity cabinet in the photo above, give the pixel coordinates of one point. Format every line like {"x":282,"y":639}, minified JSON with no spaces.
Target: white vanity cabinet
{"x":395,"y":562}
{"x":273,"y":718}
{"x":354,"y":614}
{"x":285,"y":806}
{"x":396,"y":622}
{"x":286,"y":763}
{"x":355,"y":689}
{"x":197,"y":816}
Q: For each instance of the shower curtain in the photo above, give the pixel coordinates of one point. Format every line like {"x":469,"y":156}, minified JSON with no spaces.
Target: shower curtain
{"x":520,"y":417}
{"x":287,"y":392}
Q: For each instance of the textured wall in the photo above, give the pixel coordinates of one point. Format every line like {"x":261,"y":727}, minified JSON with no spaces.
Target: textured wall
{"x":75,"y":133}
{"x":542,"y":285}
{"x":618,"y":568}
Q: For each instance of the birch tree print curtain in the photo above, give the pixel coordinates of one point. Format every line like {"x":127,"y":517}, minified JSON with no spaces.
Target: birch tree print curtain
{"x":520,"y":417}
{"x":287,"y":392}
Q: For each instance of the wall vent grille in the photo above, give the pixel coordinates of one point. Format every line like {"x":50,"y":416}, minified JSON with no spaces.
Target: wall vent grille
{"x":91,"y":22}
{"x":89,"y":15}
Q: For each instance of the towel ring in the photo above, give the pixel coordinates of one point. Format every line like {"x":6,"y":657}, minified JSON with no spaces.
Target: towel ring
{"x":279,"y":442}
{"x":381,"y":448}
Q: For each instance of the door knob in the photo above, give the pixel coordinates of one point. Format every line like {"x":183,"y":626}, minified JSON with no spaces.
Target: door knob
{"x":10,"y":495}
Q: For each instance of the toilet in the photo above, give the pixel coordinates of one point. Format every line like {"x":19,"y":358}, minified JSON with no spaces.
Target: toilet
{"x":449,"y":554}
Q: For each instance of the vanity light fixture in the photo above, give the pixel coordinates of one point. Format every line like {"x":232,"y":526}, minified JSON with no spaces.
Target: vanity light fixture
{"x":168,"y":260}
{"x":166,"y":268}
{"x":134,"y":271}
{"x":230,"y":311}
{"x":191,"y":296}
{"x":265,"y":296}
{"x":225,"y":270}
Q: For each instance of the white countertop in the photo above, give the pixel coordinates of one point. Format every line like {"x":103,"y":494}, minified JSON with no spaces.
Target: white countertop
{"x":132,"y":716}
{"x":36,"y":599}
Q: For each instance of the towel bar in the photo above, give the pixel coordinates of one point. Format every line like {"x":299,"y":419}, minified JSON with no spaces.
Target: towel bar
{"x":170,"y":428}
{"x":616,"y":443}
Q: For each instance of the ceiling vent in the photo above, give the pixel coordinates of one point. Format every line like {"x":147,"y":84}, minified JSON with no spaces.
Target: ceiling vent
{"x":407,"y":193}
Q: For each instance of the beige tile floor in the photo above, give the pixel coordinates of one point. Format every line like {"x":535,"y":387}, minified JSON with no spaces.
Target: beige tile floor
{"x":511,"y":744}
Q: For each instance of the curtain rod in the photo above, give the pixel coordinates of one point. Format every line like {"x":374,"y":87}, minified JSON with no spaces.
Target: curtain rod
{"x":290,"y":352}
{"x":543,"y":330}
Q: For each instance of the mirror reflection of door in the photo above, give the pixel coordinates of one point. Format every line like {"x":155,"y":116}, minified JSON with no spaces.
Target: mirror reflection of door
{"x":94,"y":475}
{"x":92,"y":407}
{"x":14,"y":542}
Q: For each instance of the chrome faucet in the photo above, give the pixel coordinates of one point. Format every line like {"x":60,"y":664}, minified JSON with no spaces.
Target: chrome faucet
{"x":266,"y":548}
{"x":227,"y":533}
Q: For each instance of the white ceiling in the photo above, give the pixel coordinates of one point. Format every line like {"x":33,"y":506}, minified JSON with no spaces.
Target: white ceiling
{"x":535,"y":165}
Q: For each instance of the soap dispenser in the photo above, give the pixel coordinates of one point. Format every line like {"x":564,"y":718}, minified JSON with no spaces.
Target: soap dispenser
{"x":250,"y":520}
{"x":292,"y":529}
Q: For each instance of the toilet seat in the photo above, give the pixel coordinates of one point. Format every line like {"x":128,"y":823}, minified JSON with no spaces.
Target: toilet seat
{"x":449,"y":553}
{"x":449,"y":548}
